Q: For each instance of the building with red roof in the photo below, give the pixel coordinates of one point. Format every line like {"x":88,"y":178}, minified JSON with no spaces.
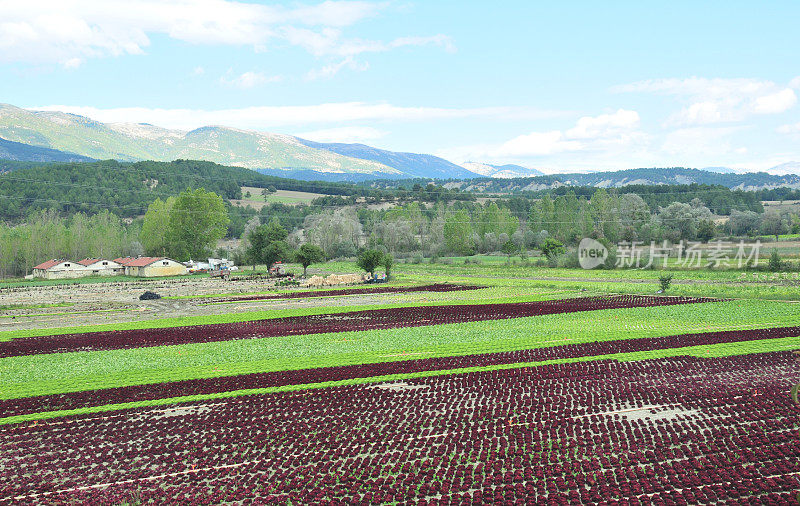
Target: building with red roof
{"x":60,"y":269}
{"x":102,"y":267}
{"x":151,"y":267}
{"x":146,"y":267}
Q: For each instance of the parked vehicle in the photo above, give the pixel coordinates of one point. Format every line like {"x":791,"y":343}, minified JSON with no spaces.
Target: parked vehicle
{"x":277,"y":270}
{"x":222,"y":272}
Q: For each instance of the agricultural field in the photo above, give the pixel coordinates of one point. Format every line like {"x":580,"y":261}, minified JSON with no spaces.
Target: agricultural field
{"x":257,"y":199}
{"x":452,"y":384}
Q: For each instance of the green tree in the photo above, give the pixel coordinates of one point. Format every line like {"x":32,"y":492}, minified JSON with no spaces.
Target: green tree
{"x":276,"y":251}
{"x":509,"y":248}
{"x":706,"y":230}
{"x":275,"y":231}
{"x":546,"y":216}
{"x":458,"y":233}
{"x":772,"y":224}
{"x":156,"y":227}
{"x":551,"y":248}
{"x":309,"y":254}
{"x":197,"y":220}
{"x":260,"y":239}
{"x":388,"y":262}
{"x":369,"y":259}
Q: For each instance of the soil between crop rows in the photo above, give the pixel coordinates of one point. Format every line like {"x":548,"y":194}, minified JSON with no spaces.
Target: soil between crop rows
{"x":326,"y":323}
{"x":76,"y":400}
{"x":436,"y":288}
{"x":681,"y":430}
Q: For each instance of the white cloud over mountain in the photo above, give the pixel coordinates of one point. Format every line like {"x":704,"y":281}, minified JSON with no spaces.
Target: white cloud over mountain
{"x":343,"y":134}
{"x":710,"y":101}
{"x":248,"y":80}
{"x":271,"y":117}
{"x":591,"y":134}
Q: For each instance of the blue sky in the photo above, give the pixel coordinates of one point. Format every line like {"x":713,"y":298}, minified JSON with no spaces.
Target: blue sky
{"x":554,"y":85}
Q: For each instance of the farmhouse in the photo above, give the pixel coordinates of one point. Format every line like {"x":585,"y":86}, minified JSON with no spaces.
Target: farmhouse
{"x":101,"y":267}
{"x":151,"y":267}
{"x":60,"y":269}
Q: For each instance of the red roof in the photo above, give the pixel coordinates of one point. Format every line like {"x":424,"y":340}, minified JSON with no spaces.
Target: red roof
{"x":48,"y":264}
{"x":88,"y":261}
{"x":143,"y":261}
{"x":124,"y":260}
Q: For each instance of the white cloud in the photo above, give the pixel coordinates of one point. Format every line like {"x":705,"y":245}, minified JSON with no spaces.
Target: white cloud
{"x":268,"y":117}
{"x":698,"y":139}
{"x":596,"y":135}
{"x":72,"y":63}
{"x":329,"y":42}
{"x":332,"y":69}
{"x":718,"y":100}
{"x":70,"y":31}
{"x":590,"y":133}
{"x":789,"y":129}
{"x":536,"y":143}
{"x":248,"y":80}
{"x":604,"y":125}
{"x":775,"y":103}
{"x":343,"y":134}
{"x":198,"y":71}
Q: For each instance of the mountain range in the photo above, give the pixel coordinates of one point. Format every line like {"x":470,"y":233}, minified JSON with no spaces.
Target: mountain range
{"x":45,"y":136}
{"x":275,"y":154}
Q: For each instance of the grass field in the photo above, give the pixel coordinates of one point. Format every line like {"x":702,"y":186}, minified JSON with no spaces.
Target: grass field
{"x":464,"y":384}
{"x":256,"y":200}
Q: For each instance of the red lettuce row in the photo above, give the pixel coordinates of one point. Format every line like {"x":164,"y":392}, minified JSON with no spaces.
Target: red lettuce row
{"x":135,"y":393}
{"x":324,"y":323}
{"x":681,"y":430}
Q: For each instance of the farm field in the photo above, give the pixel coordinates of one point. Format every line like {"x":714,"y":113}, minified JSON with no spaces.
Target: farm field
{"x":453,"y":384}
{"x":256,"y":200}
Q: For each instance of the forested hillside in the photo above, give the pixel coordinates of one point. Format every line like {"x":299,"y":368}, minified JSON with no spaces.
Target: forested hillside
{"x":669,"y":176}
{"x":126,"y":189}
{"x":10,"y":150}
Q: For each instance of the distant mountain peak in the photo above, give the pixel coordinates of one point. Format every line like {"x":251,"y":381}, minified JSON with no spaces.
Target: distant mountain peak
{"x":506,"y":171}
{"x":784,"y":169}
{"x":412,"y":164}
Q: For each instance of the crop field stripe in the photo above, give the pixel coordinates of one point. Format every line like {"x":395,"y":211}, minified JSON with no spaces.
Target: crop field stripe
{"x":434,"y":288}
{"x":760,"y":347}
{"x":86,"y":398}
{"x":717,"y":426}
{"x":271,"y":314}
{"x":327,"y":323}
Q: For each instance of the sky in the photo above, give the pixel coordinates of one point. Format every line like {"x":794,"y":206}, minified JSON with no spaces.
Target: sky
{"x":562,"y":86}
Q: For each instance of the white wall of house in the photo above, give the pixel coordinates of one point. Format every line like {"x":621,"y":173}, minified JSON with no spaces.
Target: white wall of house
{"x":64,"y":270}
{"x":105,"y":268}
{"x":163,"y":267}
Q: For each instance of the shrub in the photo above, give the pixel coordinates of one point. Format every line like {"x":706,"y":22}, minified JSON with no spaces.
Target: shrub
{"x":775,"y":262}
{"x":664,"y":281}
{"x":551,"y":248}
